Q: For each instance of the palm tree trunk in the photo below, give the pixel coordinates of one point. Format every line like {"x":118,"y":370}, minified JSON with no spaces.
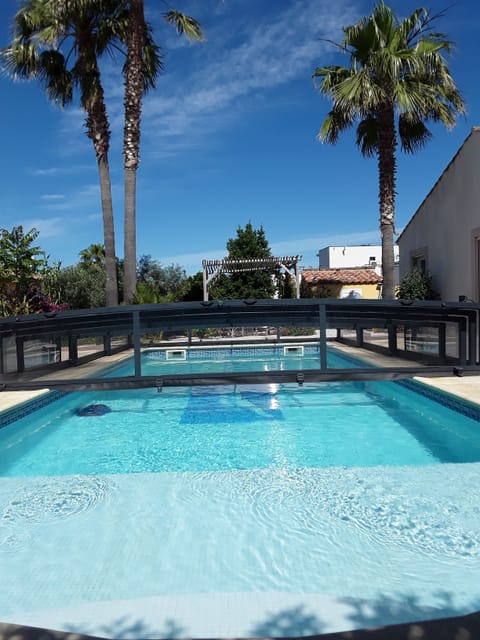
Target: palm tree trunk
{"x":111,"y":285}
{"x":130,"y":234}
{"x":134,"y":83}
{"x":99,"y":133}
{"x":386,"y":172}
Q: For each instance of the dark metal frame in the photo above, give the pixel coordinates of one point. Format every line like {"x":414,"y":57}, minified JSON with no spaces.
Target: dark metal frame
{"x":324,"y":314}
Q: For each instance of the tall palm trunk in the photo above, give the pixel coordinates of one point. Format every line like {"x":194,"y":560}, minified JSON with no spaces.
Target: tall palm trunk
{"x":387,"y":171}
{"x":99,"y":133}
{"x":134,"y":84}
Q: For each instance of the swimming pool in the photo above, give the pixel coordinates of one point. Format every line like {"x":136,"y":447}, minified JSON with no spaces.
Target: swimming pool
{"x":239,"y":511}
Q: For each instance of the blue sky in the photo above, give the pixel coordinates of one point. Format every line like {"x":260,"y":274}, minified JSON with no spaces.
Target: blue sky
{"x":229,"y":136}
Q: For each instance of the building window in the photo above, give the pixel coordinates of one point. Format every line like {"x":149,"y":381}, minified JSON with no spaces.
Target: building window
{"x":420,"y":264}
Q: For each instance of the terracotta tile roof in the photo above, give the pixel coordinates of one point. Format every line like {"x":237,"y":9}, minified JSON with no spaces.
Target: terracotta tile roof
{"x":341,"y":276}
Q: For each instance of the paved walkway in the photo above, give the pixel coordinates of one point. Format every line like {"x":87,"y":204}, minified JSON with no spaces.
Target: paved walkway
{"x":9,"y":399}
{"x":466,"y":388}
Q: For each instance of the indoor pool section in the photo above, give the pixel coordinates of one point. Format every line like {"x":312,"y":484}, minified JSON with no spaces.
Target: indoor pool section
{"x":267,"y":510}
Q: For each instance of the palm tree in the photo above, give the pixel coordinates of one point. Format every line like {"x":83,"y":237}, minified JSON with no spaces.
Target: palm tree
{"x":397,"y":69}
{"x":93,"y":256}
{"x":60,"y":45}
{"x":137,"y":83}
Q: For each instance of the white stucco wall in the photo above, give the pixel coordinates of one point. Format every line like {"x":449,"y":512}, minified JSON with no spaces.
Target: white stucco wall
{"x":445,"y":226}
{"x":342,"y":257}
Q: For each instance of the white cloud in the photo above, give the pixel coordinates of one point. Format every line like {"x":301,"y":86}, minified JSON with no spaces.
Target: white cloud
{"x":189,"y":260}
{"x":215,"y":81}
{"x":48,"y":227}
{"x":59,"y":171}
{"x":306,"y":247}
{"x":50,"y":171}
{"x":52,"y":196}
{"x":220,"y":81}
{"x":302,"y":245}
{"x":81,"y":198}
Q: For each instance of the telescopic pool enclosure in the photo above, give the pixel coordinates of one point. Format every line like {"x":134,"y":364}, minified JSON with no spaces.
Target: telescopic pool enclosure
{"x":427,"y":338}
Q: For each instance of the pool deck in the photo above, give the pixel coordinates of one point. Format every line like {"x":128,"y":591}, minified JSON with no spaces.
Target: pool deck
{"x":11,"y":399}
{"x":466,"y":388}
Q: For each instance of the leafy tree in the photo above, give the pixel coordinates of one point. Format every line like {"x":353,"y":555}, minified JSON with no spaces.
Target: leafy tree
{"x":416,"y":286}
{"x":140,"y":71}
{"x":397,"y":68}
{"x":21,"y":262}
{"x":23,"y":268}
{"x":158,"y":283}
{"x":193,"y":288}
{"x":82,"y":288}
{"x":249,"y":243}
{"x":59,"y":44}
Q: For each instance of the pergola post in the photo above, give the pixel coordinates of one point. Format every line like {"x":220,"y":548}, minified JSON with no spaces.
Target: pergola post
{"x":205,"y":282}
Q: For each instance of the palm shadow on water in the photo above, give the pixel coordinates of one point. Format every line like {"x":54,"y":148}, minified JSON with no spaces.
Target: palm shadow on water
{"x":127,"y":627}
{"x":367,"y":619}
{"x":288,"y":623}
{"x":407,"y":618}
{"x":388,"y":611}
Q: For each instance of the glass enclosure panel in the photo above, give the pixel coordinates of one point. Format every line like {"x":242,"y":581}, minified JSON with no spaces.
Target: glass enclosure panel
{"x":39,"y":353}
{"x":452,"y":339}
{"x":9,"y":355}
{"x":422,"y":340}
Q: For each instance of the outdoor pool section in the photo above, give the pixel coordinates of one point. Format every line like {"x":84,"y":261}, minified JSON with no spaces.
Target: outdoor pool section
{"x":272,"y":510}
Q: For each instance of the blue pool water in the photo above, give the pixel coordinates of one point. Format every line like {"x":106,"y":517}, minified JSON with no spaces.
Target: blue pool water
{"x":343,"y":498}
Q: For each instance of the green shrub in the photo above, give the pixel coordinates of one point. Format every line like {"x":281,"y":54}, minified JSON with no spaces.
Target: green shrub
{"x":416,"y":286}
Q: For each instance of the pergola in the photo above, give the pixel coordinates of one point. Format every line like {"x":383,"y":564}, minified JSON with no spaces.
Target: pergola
{"x":213,"y":268}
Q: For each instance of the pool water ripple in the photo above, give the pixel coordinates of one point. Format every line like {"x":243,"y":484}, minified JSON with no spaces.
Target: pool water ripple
{"x":48,"y":500}
{"x":346,"y":489}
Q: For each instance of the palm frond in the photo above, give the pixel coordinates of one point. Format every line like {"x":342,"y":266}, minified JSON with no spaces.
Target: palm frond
{"x":20,"y":61}
{"x":185,"y":25}
{"x":367,"y":136}
{"x":152,"y":60}
{"x":413,"y":134}
{"x":336,"y":122}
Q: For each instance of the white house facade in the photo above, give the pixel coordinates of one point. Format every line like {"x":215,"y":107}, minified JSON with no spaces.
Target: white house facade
{"x":443,"y":237}
{"x":353,"y":256}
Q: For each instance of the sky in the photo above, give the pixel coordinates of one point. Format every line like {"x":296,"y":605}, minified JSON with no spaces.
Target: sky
{"x":229,"y":136}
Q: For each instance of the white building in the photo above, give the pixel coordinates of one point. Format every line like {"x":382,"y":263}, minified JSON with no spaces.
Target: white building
{"x":443,"y":237}
{"x":363,"y":255}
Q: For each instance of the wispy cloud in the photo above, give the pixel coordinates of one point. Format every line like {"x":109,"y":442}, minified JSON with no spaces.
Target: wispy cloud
{"x":189,"y":260}
{"x":48,"y":227}
{"x":87,"y":196}
{"x":59,"y":226}
{"x":225,"y":75}
{"x":52,"y":196}
{"x":299,"y":246}
{"x":214,"y":82}
{"x":59,"y":171}
{"x":306,"y":247}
